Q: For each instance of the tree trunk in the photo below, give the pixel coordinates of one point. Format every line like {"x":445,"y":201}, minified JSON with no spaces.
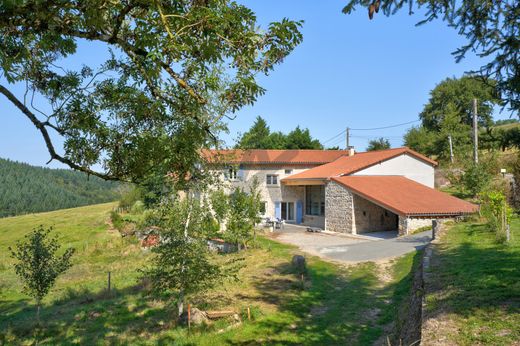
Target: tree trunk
{"x":38,"y":305}
{"x":180,"y":303}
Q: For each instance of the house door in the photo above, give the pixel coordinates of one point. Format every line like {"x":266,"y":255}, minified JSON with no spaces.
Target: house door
{"x":288,"y":211}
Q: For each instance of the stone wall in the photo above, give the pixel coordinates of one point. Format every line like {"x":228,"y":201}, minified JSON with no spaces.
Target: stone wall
{"x":269,"y":193}
{"x":314,"y":220}
{"x":408,"y":225}
{"x":369,"y":217}
{"x":338,"y":208}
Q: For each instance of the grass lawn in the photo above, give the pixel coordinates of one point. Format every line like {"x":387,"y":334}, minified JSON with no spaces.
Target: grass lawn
{"x":475,"y":298}
{"x":352,"y":305}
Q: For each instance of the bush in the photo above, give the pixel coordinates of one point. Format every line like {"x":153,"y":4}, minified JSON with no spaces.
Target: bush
{"x":497,"y":212}
{"x":117,"y":220}
{"x":138,"y":208}
{"x":475,"y":179}
{"x":129,"y":198}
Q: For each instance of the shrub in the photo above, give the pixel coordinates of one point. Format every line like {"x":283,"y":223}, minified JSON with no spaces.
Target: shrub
{"x":138,"y":208}
{"x":497,"y":212}
{"x":129,"y":198}
{"x":475,"y":179}
{"x":117,"y":220}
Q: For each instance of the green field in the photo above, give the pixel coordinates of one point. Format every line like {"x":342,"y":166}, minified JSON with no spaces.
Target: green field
{"x":475,"y":298}
{"x":353,"y":305}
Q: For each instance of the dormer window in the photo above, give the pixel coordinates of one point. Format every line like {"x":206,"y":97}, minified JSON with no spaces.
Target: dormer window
{"x":288,"y":171}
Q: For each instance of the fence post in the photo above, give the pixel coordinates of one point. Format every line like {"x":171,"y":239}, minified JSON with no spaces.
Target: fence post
{"x":189,"y":316}
{"x":108,"y":282}
{"x":248,"y":313}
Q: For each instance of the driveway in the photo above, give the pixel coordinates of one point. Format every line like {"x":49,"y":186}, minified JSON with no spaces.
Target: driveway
{"x":344,"y":248}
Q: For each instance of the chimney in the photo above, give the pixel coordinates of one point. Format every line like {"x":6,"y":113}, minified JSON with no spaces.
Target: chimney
{"x":351,"y":151}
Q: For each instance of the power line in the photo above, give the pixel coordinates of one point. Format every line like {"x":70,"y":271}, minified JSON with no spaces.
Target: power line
{"x":386,"y":127}
{"x":336,"y":136}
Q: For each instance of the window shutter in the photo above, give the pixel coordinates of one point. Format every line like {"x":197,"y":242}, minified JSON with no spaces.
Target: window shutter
{"x":278,"y":210}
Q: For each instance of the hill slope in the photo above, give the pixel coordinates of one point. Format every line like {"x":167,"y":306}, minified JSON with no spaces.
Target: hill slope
{"x":28,"y":189}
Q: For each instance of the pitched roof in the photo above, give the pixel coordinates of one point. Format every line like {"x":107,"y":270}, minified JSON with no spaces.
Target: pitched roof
{"x":271,"y":156}
{"x":406,"y":197}
{"x":350,"y":164}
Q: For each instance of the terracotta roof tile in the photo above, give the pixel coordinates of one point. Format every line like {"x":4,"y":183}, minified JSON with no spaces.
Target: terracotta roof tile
{"x":406,"y":197}
{"x":260,"y":156}
{"x":349,"y":164}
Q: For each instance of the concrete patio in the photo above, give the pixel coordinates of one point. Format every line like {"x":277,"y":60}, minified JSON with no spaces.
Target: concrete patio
{"x":375,"y":246}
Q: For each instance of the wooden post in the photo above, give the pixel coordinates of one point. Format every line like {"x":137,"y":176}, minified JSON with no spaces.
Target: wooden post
{"x":189,"y":316}
{"x":475,"y":132}
{"x":435,"y":228}
{"x":348,"y":139}
{"x":303,"y":282}
{"x":451,"y":148}
{"x":108,"y":282}
{"x":248,"y":313}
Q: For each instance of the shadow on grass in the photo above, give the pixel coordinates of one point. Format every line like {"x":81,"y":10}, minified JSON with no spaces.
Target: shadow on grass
{"x":336,"y":306}
{"x":85,"y":317}
{"x":474,"y":278}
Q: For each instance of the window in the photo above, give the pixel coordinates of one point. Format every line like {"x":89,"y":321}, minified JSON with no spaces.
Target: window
{"x":271,"y":179}
{"x":315,"y":200}
{"x":231,"y":174}
{"x":288,"y":171}
{"x":263,"y":207}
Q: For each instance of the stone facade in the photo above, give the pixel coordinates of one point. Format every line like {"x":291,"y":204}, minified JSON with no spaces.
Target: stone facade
{"x":339,"y":204}
{"x":408,"y":225}
{"x":369,"y":217}
{"x":270,"y":193}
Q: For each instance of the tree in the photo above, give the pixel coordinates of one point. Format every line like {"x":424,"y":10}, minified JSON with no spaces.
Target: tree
{"x":174,"y":70}
{"x":244,"y":211}
{"x":449,"y":113}
{"x":257,"y":137}
{"x":491,"y":28}
{"x":301,"y":139}
{"x":38,"y":265}
{"x":378,"y":144}
{"x":455,"y":96}
{"x":181,"y":264}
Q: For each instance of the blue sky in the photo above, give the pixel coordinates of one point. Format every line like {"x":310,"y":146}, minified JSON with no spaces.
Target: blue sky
{"x":349,"y":71}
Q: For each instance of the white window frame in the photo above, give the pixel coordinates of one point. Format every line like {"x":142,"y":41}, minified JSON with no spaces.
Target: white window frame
{"x":269,"y":178}
{"x":231,"y":174}
{"x":288,"y":171}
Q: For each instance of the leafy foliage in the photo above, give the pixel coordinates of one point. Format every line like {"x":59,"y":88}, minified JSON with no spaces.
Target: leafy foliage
{"x":259,"y":136}
{"x":448,"y":113}
{"x":244,"y":211}
{"x":475,"y":179}
{"x":29,"y":189}
{"x":182,"y":263}
{"x":497,"y":212}
{"x":491,"y":28}
{"x":38,"y":265}
{"x":174,"y":70}
{"x":378,"y":144}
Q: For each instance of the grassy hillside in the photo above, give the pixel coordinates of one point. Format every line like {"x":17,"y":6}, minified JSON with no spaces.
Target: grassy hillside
{"x":352,"y":305}
{"x":28,"y":189}
{"x":475,"y":293}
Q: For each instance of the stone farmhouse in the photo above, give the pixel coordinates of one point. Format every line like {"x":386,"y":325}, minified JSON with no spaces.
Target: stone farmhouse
{"x":343,"y":191}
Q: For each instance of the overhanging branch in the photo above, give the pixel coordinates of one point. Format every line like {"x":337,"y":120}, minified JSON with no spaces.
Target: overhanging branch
{"x":48,"y":142}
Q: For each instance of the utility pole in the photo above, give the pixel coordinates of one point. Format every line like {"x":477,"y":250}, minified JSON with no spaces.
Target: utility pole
{"x":475,"y":132}
{"x":451,"y":148}
{"x":348,"y":139}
